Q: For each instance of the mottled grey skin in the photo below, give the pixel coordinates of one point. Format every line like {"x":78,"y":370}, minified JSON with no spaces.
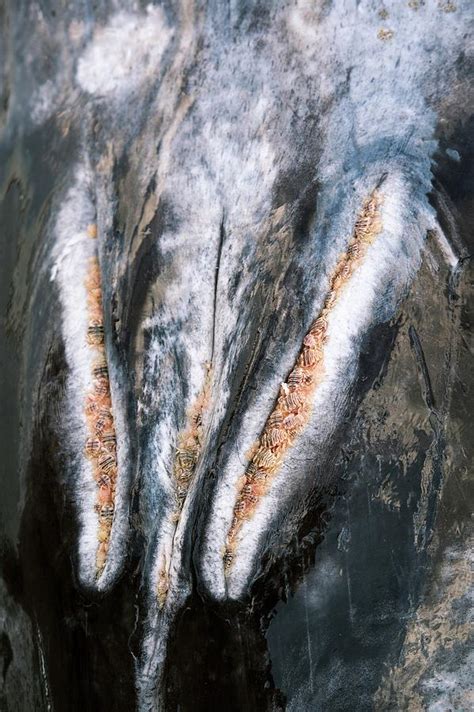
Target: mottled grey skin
{"x":228,"y":164}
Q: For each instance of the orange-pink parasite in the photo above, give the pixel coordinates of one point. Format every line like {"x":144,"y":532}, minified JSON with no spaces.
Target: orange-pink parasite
{"x":308,"y":357}
{"x":93,"y":447}
{"x":265,"y":458}
{"x":109,"y":441}
{"x":95,"y":333}
{"x":106,"y":463}
{"x":101,"y":387}
{"x":106,"y":512}
{"x":291,"y":401}
{"x":105,"y":495}
{"x":275,"y":419}
{"x":299,"y":376}
{"x":104,"y":480}
{"x":273,"y":437}
{"x":317,"y":329}
{"x":293,"y":421}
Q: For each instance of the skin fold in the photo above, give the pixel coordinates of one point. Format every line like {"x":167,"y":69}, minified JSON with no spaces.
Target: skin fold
{"x":187,"y":188}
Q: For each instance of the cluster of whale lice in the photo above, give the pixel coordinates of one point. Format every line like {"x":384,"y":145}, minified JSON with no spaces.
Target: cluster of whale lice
{"x":188,"y":449}
{"x":101,"y":443}
{"x":293,"y":406}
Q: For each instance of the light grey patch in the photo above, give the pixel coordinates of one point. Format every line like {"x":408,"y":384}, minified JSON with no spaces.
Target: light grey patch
{"x":453,"y":154}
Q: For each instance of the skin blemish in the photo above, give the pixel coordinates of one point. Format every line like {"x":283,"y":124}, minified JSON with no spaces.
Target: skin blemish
{"x":101,"y":444}
{"x":293,"y":407}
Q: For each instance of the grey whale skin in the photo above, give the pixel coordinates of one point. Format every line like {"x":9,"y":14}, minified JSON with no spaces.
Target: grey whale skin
{"x":223,"y":154}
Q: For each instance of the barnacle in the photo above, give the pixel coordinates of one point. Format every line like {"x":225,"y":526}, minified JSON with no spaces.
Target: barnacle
{"x":293,"y":407}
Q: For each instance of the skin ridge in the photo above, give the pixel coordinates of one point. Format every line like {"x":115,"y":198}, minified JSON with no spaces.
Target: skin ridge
{"x":101,"y":444}
{"x":293,"y":407}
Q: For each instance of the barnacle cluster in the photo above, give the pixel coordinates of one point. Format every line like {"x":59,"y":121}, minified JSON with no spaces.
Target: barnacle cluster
{"x":293,"y":405}
{"x":101,"y":444}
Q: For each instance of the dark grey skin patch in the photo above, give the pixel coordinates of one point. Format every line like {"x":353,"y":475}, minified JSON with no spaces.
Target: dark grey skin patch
{"x":227,"y":163}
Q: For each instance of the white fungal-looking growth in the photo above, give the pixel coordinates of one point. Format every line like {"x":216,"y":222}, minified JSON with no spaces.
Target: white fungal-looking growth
{"x":370,"y":297}
{"x":124,"y":53}
{"x":75,"y":252}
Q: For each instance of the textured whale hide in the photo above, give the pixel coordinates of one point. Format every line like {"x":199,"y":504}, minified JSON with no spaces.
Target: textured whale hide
{"x":235,"y":375}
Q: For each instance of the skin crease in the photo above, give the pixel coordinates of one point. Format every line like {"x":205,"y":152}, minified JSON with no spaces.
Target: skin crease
{"x":214,"y":160}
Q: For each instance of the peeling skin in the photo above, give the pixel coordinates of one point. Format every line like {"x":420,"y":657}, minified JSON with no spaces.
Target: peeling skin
{"x":293,"y":408}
